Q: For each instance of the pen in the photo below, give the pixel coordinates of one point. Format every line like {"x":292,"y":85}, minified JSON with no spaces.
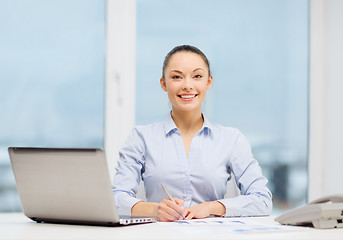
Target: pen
{"x":170,"y":197}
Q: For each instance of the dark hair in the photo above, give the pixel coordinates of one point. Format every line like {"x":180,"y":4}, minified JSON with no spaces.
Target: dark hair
{"x":185,"y":48}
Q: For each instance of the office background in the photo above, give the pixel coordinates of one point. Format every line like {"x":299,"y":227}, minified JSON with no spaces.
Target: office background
{"x":60,"y":74}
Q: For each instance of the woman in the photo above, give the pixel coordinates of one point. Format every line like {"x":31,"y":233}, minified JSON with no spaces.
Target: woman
{"x":191,"y":156}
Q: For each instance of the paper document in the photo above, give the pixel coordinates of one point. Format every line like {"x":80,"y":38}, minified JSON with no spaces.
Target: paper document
{"x":224,"y":225}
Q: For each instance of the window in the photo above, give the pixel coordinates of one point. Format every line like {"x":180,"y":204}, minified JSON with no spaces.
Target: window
{"x":52,"y":75}
{"x":259,"y":56}
{"x":52,"y":67}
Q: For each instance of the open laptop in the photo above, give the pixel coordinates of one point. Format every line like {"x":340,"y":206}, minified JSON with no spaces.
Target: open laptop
{"x":63,"y":185}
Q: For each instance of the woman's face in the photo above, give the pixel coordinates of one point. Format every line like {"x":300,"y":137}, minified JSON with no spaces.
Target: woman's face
{"x":186,"y":81}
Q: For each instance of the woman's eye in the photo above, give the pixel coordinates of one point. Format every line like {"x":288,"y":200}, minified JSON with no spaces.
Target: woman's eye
{"x":176,"y":77}
{"x":198,"y":76}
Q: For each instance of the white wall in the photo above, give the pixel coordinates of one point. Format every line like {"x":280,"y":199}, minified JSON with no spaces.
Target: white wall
{"x":326,"y":98}
{"x":333,"y":158}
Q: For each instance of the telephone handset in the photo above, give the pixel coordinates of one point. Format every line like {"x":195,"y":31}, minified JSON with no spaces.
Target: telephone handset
{"x":332,"y":198}
{"x":325,"y":212}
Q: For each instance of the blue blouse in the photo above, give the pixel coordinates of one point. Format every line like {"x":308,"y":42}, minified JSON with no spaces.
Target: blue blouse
{"x":155,"y":153}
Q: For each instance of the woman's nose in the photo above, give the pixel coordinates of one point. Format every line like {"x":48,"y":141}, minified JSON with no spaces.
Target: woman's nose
{"x":187,"y":84}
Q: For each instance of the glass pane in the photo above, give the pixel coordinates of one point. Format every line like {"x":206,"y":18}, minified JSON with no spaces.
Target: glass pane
{"x":259,"y":56}
{"x":52,"y":75}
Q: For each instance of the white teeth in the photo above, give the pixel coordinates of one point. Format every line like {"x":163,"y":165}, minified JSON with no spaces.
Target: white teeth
{"x":187,"y":96}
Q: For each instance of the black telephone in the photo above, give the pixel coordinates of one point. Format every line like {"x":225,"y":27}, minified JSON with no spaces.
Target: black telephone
{"x":325,"y":212}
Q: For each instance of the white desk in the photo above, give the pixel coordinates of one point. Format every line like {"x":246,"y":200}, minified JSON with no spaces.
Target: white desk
{"x":17,"y":226}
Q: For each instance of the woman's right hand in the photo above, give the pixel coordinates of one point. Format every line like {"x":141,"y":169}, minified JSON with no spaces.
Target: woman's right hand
{"x":168,"y":211}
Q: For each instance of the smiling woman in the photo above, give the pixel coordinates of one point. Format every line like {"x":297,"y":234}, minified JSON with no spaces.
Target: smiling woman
{"x":186,"y":79}
{"x":259,"y":62}
{"x":182,"y":147}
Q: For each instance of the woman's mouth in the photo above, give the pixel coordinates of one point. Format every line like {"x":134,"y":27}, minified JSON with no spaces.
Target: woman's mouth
{"x":187,"y":96}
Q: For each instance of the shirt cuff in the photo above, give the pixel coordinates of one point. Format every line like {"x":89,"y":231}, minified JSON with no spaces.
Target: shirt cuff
{"x":233,"y":207}
{"x":124,"y":203}
{"x":244,"y":206}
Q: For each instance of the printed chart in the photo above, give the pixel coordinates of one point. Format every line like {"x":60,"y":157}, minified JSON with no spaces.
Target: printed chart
{"x":224,"y":225}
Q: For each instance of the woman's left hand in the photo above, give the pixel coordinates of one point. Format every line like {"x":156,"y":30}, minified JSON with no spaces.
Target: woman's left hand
{"x":204,"y":210}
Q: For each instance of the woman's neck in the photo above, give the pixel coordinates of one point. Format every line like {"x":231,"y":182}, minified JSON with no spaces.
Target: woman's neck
{"x":188,"y":121}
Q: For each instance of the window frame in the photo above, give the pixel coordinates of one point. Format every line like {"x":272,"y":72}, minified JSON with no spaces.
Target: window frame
{"x":120,"y":76}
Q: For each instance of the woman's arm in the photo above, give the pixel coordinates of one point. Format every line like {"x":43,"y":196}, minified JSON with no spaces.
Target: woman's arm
{"x":144,"y":209}
{"x":255,"y":198}
{"x":128,"y":173}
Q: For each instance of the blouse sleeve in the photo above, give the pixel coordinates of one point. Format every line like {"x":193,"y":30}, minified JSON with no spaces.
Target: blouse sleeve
{"x":128,"y":173}
{"x":256,"y":199}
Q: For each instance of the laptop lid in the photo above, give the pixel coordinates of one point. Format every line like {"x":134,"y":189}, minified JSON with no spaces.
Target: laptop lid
{"x":65,"y":185}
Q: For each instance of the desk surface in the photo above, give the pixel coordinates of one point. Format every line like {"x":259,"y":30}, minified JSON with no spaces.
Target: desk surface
{"x":17,"y":226}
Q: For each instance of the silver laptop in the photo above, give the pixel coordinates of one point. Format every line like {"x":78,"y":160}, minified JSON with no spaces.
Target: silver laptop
{"x":60,"y":185}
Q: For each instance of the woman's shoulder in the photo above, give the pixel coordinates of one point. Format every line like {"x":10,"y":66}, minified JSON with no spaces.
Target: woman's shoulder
{"x":149,"y":128}
{"x":228,"y":135}
{"x":142,"y":134}
{"x":220,"y":129}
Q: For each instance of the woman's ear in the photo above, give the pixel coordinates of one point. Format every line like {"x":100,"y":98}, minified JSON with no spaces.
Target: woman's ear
{"x":163,"y":84}
{"x":209,"y":81}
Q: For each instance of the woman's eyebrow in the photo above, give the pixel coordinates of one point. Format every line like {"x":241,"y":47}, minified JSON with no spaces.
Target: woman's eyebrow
{"x":176,"y":71}
{"x":198,"y":69}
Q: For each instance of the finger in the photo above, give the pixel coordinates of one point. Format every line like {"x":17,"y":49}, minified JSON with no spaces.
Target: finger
{"x":179,"y":207}
{"x":175,"y":207}
{"x":162,"y":210}
{"x":189,"y":216}
{"x":170,"y":209}
{"x":186,"y":213}
{"x":179,"y":202}
{"x":165,"y":217}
